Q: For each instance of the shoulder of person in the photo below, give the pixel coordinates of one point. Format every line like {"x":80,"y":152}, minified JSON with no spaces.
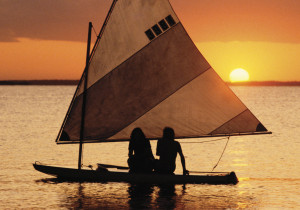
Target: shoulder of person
{"x":177,"y":143}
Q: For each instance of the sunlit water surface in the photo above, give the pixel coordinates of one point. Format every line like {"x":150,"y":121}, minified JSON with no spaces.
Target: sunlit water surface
{"x":267,"y":165}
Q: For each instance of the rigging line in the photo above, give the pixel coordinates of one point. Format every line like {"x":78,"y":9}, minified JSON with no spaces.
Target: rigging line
{"x":221,"y":154}
{"x":203,"y":141}
{"x":94,"y":30}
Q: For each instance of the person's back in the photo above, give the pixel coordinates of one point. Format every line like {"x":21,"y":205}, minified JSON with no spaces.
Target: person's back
{"x":168,"y":156}
{"x":140,"y":153}
{"x":141,"y":147}
{"x":167,"y":149}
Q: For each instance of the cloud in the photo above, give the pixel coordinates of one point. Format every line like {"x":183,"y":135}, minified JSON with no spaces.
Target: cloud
{"x":50,"y":19}
{"x":205,"y":20}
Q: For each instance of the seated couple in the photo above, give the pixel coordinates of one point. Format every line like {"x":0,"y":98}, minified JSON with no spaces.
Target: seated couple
{"x":141,"y":159}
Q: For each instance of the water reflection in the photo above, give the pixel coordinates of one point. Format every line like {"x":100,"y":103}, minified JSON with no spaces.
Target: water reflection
{"x":93,"y":196}
{"x":167,"y":197}
{"x":79,"y":204}
{"x":154,"y":196}
{"x":142,"y":196}
{"x":117,"y":196}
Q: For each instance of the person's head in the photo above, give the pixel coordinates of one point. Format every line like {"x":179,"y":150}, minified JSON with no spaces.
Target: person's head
{"x":137,"y":133}
{"x":168,"y":133}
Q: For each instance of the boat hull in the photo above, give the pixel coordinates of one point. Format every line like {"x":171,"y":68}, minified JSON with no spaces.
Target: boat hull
{"x":84,"y":175}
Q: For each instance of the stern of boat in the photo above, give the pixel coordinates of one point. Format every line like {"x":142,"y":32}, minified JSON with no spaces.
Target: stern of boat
{"x":232,"y":178}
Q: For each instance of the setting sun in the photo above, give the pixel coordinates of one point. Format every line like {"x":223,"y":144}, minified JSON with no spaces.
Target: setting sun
{"x":239,"y":75}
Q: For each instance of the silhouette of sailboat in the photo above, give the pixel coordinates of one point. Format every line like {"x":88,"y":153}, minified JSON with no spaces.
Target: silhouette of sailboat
{"x":145,"y":71}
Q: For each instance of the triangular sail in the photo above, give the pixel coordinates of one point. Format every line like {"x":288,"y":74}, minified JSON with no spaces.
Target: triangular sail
{"x":146,"y":72}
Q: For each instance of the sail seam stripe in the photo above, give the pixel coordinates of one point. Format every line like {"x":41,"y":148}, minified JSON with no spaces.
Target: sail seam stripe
{"x":230,"y":120}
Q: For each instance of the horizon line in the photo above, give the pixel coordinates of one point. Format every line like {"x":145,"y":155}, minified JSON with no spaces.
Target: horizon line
{"x":75,"y":82}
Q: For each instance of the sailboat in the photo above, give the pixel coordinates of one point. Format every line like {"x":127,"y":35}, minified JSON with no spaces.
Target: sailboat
{"x":145,"y":71}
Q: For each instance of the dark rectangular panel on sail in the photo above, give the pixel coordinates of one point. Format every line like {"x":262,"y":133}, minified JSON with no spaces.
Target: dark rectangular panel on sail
{"x":163,"y":25}
{"x":156,"y":29}
{"x":150,"y":34}
{"x":170,"y":20}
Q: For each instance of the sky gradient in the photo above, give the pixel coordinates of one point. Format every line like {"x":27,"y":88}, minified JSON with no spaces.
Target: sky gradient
{"x":45,"y":39}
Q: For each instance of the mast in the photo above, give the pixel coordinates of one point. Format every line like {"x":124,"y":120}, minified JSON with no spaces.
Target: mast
{"x":84,"y":95}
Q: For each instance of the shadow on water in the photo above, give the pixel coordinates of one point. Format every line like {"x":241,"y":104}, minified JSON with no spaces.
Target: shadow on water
{"x":143,"y":196}
{"x":168,"y":198}
{"x":140,"y":196}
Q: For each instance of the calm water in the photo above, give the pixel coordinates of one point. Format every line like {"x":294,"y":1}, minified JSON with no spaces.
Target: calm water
{"x":267,"y":165}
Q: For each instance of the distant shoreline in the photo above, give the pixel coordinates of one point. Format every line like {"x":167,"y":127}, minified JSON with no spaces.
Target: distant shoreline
{"x":39,"y":82}
{"x":75,"y":82}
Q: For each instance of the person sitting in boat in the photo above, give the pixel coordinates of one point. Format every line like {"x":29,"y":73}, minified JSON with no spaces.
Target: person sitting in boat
{"x":141,"y":159}
{"x":167,"y":149}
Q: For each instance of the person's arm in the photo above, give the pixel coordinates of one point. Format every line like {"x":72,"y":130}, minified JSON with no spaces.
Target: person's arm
{"x":185,"y":172}
{"x":158,"y":147}
{"x":150,"y":150}
{"x":130,"y":149}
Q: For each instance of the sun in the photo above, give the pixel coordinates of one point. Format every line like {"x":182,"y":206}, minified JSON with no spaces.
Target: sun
{"x":239,"y":75}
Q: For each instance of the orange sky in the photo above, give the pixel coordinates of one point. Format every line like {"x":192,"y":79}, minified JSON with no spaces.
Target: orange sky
{"x":46,"y":39}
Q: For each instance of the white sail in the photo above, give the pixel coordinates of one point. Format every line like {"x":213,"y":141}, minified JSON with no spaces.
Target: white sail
{"x":146,"y":72}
